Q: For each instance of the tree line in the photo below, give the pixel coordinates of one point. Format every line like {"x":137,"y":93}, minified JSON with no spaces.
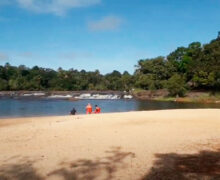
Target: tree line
{"x":187,"y":68}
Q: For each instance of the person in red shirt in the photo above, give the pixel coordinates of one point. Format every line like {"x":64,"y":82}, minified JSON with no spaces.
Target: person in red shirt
{"x":97,"y":110}
{"x":89,"y":109}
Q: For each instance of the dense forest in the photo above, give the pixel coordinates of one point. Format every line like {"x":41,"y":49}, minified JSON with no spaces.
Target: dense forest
{"x":187,"y":68}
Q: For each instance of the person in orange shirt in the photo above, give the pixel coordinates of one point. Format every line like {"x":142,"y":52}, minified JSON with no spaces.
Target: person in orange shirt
{"x":97,"y":109}
{"x":89,"y":109}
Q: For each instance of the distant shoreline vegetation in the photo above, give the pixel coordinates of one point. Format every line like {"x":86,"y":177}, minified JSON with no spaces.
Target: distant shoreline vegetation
{"x":192,"y":68}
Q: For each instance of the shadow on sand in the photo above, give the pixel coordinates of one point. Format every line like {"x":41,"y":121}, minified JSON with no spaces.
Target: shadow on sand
{"x":202,"y":166}
{"x":101,"y":168}
{"x":23,"y":170}
{"x":84,"y":169}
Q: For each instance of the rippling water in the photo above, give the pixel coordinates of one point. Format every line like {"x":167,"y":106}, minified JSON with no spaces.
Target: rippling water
{"x":45,"y":107}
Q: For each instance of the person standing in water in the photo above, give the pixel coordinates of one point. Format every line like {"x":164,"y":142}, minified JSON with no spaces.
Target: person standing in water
{"x":97,"y":109}
{"x":89,"y":109}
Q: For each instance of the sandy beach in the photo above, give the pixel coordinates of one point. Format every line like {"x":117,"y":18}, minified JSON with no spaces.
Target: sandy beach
{"x":150,"y":145}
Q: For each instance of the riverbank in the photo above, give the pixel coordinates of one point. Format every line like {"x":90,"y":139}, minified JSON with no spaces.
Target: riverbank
{"x":157,"y":95}
{"x":137,"y":145}
{"x":190,"y":97}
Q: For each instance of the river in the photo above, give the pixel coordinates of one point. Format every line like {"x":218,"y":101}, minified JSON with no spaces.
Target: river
{"x":50,"y":107}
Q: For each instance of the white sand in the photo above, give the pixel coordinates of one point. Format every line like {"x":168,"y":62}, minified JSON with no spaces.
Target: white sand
{"x":108,"y":146}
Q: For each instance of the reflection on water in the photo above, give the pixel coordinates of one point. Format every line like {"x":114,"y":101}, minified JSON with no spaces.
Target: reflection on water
{"x":157,"y":105}
{"x":45,"y":107}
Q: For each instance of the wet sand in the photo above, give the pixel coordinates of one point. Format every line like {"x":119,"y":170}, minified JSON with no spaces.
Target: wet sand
{"x":168,"y":144}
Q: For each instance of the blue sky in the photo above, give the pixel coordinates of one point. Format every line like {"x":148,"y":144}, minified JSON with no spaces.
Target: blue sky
{"x":101,"y":34}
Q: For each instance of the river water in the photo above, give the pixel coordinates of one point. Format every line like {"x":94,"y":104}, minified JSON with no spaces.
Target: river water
{"x":50,"y":107}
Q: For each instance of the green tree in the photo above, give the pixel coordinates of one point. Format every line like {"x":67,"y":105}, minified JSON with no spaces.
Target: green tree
{"x":176,"y":85}
{"x":3,"y":85}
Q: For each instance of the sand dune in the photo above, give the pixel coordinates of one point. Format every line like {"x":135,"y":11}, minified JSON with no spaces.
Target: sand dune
{"x":169,"y":144}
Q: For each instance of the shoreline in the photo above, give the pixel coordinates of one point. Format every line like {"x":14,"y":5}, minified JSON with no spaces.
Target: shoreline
{"x":103,"y":113}
{"x":66,"y":95}
{"x":159,"y":95}
{"x":117,"y":145}
{"x":83,"y":115}
{"x":205,"y":97}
